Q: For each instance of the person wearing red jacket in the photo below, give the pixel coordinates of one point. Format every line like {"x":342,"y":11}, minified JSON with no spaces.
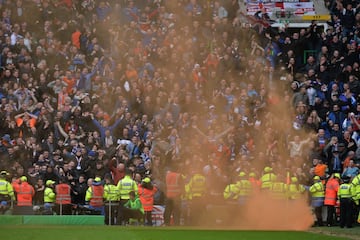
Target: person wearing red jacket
{"x":117,"y":170}
{"x":146,"y":191}
{"x":331,"y":189}
{"x":63,"y":198}
{"x":25,"y":192}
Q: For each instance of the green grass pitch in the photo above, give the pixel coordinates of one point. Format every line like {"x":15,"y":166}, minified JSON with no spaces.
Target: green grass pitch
{"x":50,"y":232}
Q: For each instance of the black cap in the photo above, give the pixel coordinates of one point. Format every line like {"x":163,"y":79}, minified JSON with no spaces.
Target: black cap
{"x":346,"y":179}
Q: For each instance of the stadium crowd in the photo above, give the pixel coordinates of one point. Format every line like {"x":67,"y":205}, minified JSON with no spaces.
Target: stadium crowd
{"x":94,"y":91}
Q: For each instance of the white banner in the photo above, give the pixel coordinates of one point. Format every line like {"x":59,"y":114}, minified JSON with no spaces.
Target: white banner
{"x":296,"y":8}
{"x":301,"y":8}
{"x":158,"y":215}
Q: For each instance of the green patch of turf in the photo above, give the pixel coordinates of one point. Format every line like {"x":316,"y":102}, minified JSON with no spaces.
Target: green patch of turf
{"x":350,"y":233}
{"x":143,"y":233}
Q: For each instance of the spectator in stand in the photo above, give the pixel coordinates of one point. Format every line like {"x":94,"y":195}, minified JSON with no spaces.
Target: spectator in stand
{"x":67,"y":92}
{"x":351,"y":170}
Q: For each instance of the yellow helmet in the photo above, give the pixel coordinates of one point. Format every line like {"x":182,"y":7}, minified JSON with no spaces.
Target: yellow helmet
{"x":316,"y":178}
{"x":97,"y":179}
{"x":294,"y":180}
{"x":337,"y":175}
{"x":252,"y":174}
{"x":23,"y":179}
{"x":242,"y":174}
{"x":49,"y":182}
{"x":146,"y":180}
{"x":267,"y":169}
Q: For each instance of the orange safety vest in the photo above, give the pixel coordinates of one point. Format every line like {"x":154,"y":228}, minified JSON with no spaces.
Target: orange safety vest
{"x":25,"y":194}
{"x":16,"y":185}
{"x":332,"y":187}
{"x":63,"y":193}
{"x":173,"y":189}
{"x":97,"y":196}
{"x":147,"y":197}
{"x":255,"y":183}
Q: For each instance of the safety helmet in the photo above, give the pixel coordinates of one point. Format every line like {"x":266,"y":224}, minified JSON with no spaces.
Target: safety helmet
{"x":146,"y":180}
{"x":97,"y":179}
{"x":252,"y":174}
{"x":49,"y":182}
{"x":294,"y":179}
{"x":337,"y":175}
{"x":23,"y":178}
{"x":242,"y":174}
{"x":316,"y":178}
{"x":267,"y":169}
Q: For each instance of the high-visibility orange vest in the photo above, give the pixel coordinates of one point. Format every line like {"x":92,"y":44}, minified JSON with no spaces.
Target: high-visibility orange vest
{"x":63,"y":193}
{"x":255,"y":183}
{"x":25,"y":194}
{"x":16,"y":185}
{"x":332,"y":187}
{"x":97,"y":196}
{"x":147,"y":197}
{"x":173,"y":188}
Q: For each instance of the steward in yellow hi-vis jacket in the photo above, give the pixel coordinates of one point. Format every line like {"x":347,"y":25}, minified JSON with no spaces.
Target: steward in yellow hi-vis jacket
{"x":231,"y":193}
{"x":49,"y":194}
{"x":125,"y":186}
{"x":245,"y":188}
{"x":111,"y":201}
{"x":356,"y":193}
{"x":295,"y":190}
{"x":6,"y":189}
{"x":279,"y":189}
{"x":345,"y":195}
{"x":267,"y":179}
{"x":197,"y":188}
{"x":317,"y":191}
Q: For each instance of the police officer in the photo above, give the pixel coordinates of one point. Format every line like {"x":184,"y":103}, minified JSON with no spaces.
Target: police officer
{"x":111,"y":198}
{"x":231,"y":193}
{"x":6,"y":189}
{"x":345,"y":194}
{"x":231,"y":196}
{"x":125,"y":186}
{"x":279,"y":189}
{"x":356,"y":197}
{"x":317,"y":192}
{"x":295,"y":190}
{"x":244,"y":188}
{"x":197,"y":189}
{"x":267,"y":179}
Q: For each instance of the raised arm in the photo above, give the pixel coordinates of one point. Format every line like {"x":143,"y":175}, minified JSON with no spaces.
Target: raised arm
{"x":61,"y":130}
{"x":220,"y":135}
